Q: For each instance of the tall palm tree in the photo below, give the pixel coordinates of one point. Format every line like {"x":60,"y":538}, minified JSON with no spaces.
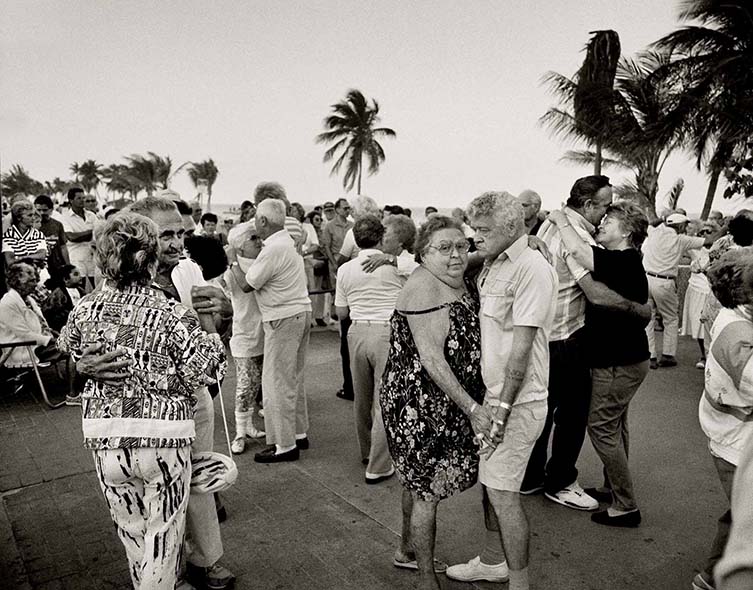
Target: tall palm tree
{"x":150,"y":172}
{"x":351,"y":131}
{"x":120,"y":180}
{"x":56,"y":186}
{"x":204,"y":171}
{"x":88,"y":174}
{"x":715,"y":54}
{"x":17,"y":180}
{"x":644,"y":129}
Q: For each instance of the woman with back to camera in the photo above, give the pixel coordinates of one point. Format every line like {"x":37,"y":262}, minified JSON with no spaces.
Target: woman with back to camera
{"x":140,"y":429}
{"x":432,"y":391}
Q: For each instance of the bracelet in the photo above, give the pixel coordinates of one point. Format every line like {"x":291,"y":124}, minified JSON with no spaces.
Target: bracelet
{"x":474,"y":405}
{"x":506,"y":406}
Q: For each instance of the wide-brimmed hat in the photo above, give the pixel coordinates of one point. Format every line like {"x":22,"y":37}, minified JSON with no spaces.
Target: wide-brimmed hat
{"x":212,"y":472}
{"x":676,"y":219}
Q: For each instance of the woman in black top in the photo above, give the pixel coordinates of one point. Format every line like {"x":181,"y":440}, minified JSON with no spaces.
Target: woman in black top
{"x":618,"y":349}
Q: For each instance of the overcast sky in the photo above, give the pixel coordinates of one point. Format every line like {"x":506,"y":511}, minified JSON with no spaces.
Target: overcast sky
{"x":248,"y":83}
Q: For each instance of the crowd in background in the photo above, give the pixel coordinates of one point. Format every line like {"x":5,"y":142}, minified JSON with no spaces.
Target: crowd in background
{"x":467,"y":344}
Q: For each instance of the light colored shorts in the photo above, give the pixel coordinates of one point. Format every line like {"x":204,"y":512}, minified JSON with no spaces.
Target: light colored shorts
{"x":505,"y":468}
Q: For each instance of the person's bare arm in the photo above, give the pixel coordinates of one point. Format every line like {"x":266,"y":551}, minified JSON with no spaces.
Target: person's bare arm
{"x":429,"y":333}
{"x":104,"y":368}
{"x":601,"y":295}
{"x":515,"y":372}
{"x":342,"y":311}
{"x":10,"y":258}
{"x":576,"y":246}
{"x":64,"y":253}
{"x":210,"y":299}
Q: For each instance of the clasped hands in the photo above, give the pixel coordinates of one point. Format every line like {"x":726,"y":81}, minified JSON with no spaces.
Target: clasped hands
{"x":489,"y":426}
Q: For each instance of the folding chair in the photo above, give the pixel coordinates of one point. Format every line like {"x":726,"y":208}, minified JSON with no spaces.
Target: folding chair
{"x":6,"y":348}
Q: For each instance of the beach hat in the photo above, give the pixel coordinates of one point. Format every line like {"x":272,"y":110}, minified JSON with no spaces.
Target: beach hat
{"x":676,"y":219}
{"x":212,"y":472}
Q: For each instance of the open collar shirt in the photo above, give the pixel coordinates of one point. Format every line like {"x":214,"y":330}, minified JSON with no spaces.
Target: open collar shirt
{"x":570,"y":314}
{"x":517,"y":289}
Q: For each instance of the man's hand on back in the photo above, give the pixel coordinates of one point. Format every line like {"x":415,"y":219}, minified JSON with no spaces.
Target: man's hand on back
{"x":104,"y":368}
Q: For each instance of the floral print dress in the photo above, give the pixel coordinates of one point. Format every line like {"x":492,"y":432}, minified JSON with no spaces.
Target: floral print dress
{"x":430,"y":438}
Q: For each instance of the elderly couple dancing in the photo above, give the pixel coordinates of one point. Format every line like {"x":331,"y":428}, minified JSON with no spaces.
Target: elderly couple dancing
{"x":468,"y":368}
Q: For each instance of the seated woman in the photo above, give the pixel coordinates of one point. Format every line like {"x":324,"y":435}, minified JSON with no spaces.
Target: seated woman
{"x":432,"y":390}
{"x":726,"y":407}
{"x":65,"y":292}
{"x":619,"y":365}
{"x":140,"y":429}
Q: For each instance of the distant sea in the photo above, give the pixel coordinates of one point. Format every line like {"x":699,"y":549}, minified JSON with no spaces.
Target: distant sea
{"x":233,"y":209}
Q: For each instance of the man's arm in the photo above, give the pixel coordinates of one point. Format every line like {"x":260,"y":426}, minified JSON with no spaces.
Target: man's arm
{"x":104,"y":368}
{"x":342,"y":311}
{"x":64,"y":253}
{"x":79,"y":236}
{"x":601,"y":295}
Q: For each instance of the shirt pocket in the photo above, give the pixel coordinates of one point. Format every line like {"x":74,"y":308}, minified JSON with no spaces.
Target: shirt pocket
{"x":498,"y":299}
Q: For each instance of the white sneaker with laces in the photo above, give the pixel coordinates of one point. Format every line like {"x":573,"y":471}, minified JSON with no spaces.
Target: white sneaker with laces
{"x":475,"y":570}
{"x":573,"y":496}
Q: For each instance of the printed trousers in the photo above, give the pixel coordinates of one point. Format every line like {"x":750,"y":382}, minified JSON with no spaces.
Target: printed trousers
{"x":147,"y":490}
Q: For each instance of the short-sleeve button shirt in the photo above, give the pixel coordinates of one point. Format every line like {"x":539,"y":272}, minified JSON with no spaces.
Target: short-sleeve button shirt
{"x":519,"y":289}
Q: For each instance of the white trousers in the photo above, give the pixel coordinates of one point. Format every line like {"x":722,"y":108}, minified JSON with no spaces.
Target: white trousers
{"x":663,"y":298}
{"x":147,"y":491}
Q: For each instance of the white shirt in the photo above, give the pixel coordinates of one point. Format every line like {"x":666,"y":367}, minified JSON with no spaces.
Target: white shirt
{"x":279,"y":279}
{"x":21,"y":320}
{"x":370,"y":296}
{"x":349,"y":248}
{"x":74,"y":294}
{"x":520,"y":289}
{"x":80,"y":253}
{"x":406,"y":263}
{"x":248,"y":335}
{"x":664,"y":248}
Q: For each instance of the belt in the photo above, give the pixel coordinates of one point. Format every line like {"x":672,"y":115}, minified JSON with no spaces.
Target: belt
{"x":658,"y":276}
{"x":371,"y":322}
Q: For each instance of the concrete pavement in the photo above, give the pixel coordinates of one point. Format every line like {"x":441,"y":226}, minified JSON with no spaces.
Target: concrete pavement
{"x":314,"y":524}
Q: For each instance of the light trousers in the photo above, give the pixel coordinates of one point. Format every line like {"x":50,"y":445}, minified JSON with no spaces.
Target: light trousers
{"x":282,"y":377}
{"x":663,"y":299}
{"x":147,"y":491}
{"x":204,"y":543}
{"x":369,"y":346}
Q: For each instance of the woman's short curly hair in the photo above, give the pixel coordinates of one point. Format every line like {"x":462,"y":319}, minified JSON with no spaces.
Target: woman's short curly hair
{"x":727,"y":277}
{"x":127,"y":248}
{"x":632,"y":219}
{"x":428,"y":228}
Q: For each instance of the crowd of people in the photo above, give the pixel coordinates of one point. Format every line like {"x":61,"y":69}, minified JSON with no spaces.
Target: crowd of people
{"x":476,"y":347}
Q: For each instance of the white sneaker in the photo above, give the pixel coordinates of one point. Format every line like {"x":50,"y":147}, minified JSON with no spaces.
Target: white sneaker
{"x":475,"y":570}
{"x":573,"y":496}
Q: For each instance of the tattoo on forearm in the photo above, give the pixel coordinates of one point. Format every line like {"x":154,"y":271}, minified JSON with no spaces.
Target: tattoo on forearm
{"x":515,"y":374}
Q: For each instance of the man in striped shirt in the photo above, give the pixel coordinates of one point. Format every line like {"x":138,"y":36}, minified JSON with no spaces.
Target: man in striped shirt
{"x":22,"y":240}
{"x":569,"y":393}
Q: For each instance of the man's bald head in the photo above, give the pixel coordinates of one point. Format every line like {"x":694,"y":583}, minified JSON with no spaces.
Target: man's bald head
{"x":531,"y":203}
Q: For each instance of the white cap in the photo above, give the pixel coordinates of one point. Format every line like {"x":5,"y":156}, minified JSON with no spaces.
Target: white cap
{"x":676,"y":219}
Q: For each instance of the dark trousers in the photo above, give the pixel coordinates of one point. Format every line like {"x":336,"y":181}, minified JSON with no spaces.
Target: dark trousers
{"x":345,"y":357}
{"x":726,"y":471}
{"x":567,"y":416}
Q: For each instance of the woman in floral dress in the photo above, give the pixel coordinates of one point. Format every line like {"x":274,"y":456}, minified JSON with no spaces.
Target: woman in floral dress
{"x":432,"y":391}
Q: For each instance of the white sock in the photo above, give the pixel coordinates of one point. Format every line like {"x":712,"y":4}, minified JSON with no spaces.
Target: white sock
{"x":301,"y":436}
{"x":280,"y":450}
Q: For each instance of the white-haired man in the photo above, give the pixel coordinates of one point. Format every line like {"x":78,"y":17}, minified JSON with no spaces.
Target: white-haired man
{"x":531,"y":203}
{"x":517,"y":287}
{"x":278,"y":278}
{"x":181,"y":279}
{"x":665,"y":245}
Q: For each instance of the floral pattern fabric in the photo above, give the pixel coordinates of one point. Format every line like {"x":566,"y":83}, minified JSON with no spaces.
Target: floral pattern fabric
{"x":430,"y":438}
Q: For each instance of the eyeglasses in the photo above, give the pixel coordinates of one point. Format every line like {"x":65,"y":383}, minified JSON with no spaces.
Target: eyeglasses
{"x":446,"y":248}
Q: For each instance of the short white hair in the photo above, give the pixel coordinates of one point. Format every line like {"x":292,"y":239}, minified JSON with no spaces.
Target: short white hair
{"x":363,"y":205}
{"x":240,"y":234}
{"x":501,"y":206}
{"x":273,"y":210}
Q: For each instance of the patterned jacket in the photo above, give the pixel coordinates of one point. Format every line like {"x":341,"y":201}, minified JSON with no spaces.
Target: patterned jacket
{"x":171,"y":356}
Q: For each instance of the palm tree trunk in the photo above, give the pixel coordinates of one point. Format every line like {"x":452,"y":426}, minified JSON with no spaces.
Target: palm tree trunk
{"x":209,"y":198}
{"x":711,"y":192}
{"x":597,"y":160}
{"x":360,"y":169}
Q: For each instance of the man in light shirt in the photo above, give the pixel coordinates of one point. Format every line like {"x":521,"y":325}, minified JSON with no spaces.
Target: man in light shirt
{"x":517,"y":287}
{"x":368,"y":299}
{"x":531,"y":203}
{"x":665,"y":245}
{"x":78,"y":223}
{"x":278,"y":279}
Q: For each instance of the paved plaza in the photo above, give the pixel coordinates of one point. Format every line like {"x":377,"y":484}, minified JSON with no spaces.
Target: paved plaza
{"x":315,"y":525}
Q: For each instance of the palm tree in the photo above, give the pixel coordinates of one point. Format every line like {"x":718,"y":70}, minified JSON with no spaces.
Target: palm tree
{"x":351,"y":129}
{"x":120,"y":180}
{"x":204,"y":171}
{"x":56,"y":186}
{"x":644,"y":129}
{"x":715,"y":54}
{"x":150,"y":173}
{"x":88,"y":174}
{"x":17,"y":180}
